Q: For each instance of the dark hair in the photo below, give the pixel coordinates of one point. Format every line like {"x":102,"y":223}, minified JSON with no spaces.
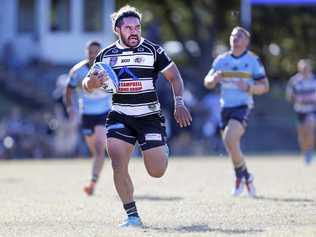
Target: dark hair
{"x":126,"y":11}
{"x":93,"y":43}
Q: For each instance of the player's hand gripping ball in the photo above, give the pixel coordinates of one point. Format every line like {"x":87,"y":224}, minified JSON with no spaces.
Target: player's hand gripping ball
{"x":112,"y":83}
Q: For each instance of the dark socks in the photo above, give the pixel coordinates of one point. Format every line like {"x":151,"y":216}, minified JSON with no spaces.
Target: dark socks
{"x":131,"y":209}
{"x":242,"y":172}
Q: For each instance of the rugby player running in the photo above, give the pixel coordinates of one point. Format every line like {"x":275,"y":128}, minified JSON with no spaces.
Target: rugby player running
{"x":136,"y":113}
{"x":93,"y":108}
{"x":301,"y":91}
{"x":240,"y":75}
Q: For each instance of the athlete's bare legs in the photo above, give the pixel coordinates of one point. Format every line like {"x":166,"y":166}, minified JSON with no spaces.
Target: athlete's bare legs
{"x":231,"y":136}
{"x":96,"y":144}
{"x":306,"y":138}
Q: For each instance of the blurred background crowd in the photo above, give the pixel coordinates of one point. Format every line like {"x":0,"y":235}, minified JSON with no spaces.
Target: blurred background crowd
{"x":40,"y":40}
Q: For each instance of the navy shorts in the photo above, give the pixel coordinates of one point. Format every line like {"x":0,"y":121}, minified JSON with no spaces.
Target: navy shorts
{"x":89,"y":121}
{"x":302,"y":117}
{"x":239,"y":113}
{"x":149,"y":131}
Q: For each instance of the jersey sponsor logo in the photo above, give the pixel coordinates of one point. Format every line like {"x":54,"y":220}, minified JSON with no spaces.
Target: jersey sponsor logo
{"x":139,"y":60}
{"x":127,"y":71}
{"x":132,"y":60}
{"x":130,"y":86}
{"x":125,"y":60}
{"x":153,"y":137}
{"x":152,"y":107}
{"x":159,"y":50}
{"x":113,"y":61}
{"x":136,"y":77}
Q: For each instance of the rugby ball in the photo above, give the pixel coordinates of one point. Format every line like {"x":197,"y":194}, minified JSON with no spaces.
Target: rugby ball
{"x":113,"y":83}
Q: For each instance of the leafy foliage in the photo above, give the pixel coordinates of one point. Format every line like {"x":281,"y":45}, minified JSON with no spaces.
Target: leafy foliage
{"x":280,"y":35}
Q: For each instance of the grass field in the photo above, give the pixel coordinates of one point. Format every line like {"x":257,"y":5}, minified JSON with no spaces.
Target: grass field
{"x":45,"y":198}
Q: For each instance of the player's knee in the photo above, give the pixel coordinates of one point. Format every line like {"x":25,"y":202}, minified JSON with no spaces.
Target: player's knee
{"x":117,"y":165}
{"x":116,"y":161}
{"x":158,"y":170}
{"x":157,"y":173}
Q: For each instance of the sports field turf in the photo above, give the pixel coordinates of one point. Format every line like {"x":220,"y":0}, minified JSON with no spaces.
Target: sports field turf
{"x":45,"y":198}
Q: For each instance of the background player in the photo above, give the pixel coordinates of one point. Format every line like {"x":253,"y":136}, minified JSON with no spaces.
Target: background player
{"x":136,"y":114}
{"x":301,"y":91}
{"x":240,"y":75}
{"x":93,"y":108}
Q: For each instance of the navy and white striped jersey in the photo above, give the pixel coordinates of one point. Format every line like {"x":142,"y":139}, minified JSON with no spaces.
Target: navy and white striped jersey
{"x":137,"y":70}
{"x":303,"y":93}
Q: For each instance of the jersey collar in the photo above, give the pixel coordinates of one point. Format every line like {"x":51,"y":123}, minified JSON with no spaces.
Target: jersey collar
{"x":118,"y":45}
{"x":231,"y":54}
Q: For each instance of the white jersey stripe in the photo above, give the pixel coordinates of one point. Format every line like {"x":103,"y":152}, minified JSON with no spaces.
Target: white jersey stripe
{"x":137,"y":69}
{"x":170,"y":64}
{"x":132,"y":60}
{"x":137,"y":110}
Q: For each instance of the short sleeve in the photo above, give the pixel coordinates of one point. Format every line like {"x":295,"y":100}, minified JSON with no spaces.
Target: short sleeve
{"x":98,"y":57}
{"x":162,"y":59}
{"x":73,"y":81}
{"x":258,"y":69}
{"x":215,"y":66}
{"x":210,"y":72}
{"x":289,"y":87}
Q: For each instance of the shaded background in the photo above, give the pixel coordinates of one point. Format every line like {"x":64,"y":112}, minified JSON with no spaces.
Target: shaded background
{"x":40,"y":40}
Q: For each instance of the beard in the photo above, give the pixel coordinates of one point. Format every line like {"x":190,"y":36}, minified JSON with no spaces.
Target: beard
{"x":131,"y":41}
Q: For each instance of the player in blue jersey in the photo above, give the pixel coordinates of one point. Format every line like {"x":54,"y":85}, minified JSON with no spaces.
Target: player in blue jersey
{"x":136,"y":113}
{"x":93,"y":108}
{"x":240,"y":75}
{"x":301,"y":91}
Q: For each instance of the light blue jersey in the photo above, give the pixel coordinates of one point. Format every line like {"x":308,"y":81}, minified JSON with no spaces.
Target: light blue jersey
{"x":246,"y":67}
{"x":97,"y":102}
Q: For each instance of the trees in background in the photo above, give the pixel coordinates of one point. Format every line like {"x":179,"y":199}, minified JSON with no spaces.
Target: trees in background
{"x":280,"y":35}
